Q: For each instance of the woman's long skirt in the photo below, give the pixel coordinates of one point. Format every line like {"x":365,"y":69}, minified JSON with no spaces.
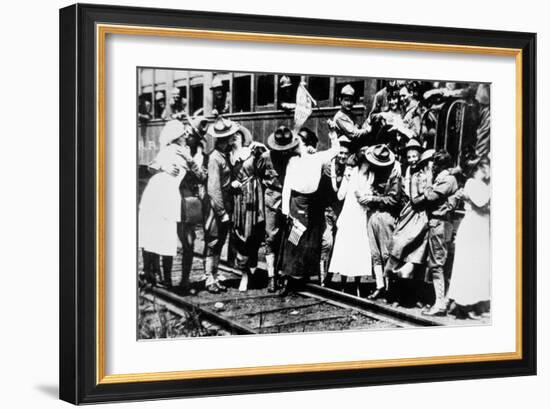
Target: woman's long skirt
{"x":302,"y":240}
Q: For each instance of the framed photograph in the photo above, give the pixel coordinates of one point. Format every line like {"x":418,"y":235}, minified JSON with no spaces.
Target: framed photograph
{"x":258,"y":203}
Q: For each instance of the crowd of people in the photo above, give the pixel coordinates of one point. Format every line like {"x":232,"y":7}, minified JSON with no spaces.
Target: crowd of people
{"x":379,"y":202}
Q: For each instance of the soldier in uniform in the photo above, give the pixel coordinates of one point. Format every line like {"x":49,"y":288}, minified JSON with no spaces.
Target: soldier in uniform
{"x":271,"y":168}
{"x":219,"y":206}
{"x":439,"y":202}
{"x":220,"y":101}
{"x":287,"y":101}
{"x":192,"y":190}
{"x":345,"y":121}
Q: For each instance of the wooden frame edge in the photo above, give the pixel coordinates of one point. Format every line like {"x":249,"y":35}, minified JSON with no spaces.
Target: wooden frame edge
{"x":103,"y":29}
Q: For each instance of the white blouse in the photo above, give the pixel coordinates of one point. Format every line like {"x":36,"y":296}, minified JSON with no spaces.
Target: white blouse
{"x":303,"y":173}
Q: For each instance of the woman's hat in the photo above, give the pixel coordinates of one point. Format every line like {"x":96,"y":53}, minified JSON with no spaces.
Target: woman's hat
{"x":223,"y":128}
{"x":380,"y":155}
{"x":282,"y":139}
{"x":159,"y":95}
{"x":413,"y":144}
{"x":426,"y":156}
{"x":171,"y":131}
{"x":247,"y":135}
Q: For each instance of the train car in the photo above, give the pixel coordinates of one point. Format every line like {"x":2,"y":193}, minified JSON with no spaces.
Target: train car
{"x":262,"y":102}
{"x":257,"y":101}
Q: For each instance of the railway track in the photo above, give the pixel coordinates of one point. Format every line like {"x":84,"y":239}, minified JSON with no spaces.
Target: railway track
{"x":315,"y":308}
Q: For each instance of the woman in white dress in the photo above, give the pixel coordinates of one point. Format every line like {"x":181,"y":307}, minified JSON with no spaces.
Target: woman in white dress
{"x":351,"y":255}
{"x":470,"y":286}
{"x":160,"y":206}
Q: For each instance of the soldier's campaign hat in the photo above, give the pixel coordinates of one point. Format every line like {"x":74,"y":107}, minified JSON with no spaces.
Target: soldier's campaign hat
{"x":223,"y":128}
{"x":380,"y":155}
{"x":171,"y":131}
{"x":427,"y":155}
{"x":413,"y":144}
{"x":216,"y":83}
{"x":282,"y":139}
{"x":284,"y":81}
{"x":159,"y":95}
{"x":347,"y":90}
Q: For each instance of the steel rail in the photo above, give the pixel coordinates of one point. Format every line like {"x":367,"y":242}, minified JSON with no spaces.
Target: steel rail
{"x":234,"y":326}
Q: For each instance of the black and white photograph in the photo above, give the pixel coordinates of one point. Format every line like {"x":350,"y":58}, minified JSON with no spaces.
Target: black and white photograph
{"x":281,"y":203}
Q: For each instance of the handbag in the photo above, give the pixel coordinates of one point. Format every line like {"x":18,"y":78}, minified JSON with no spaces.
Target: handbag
{"x":192,"y":212}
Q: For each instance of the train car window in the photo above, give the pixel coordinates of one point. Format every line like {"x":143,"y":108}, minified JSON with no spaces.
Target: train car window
{"x":319,"y":87}
{"x":287,"y":93}
{"x":241,"y":93}
{"x":358,"y":86}
{"x":196,"y":95}
{"x":183,"y":91}
{"x":145,"y":109}
{"x":265,"y":90}
{"x":160,"y":103}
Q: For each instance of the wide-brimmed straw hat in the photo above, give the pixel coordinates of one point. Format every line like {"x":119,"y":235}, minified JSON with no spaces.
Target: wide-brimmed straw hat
{"x":222,"y":128}
{"x":171,"y":131}
{"x":282,"y":139}
{"x":380,"y":155}
{"x":413,"y":144}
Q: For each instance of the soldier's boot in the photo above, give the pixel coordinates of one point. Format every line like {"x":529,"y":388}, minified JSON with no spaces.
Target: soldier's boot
{"x":219,"y":284}
{"x":440,"y":306}
{"x":380,"y":284}
{"x":270,"y":264}
{"x":322,"y":272}
{"x":209,"y":271}
{"x":167,"y":271}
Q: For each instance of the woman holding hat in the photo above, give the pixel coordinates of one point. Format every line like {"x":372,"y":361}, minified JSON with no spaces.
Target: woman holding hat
{"x":219,"y":205}
{"x":160,"y":206}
